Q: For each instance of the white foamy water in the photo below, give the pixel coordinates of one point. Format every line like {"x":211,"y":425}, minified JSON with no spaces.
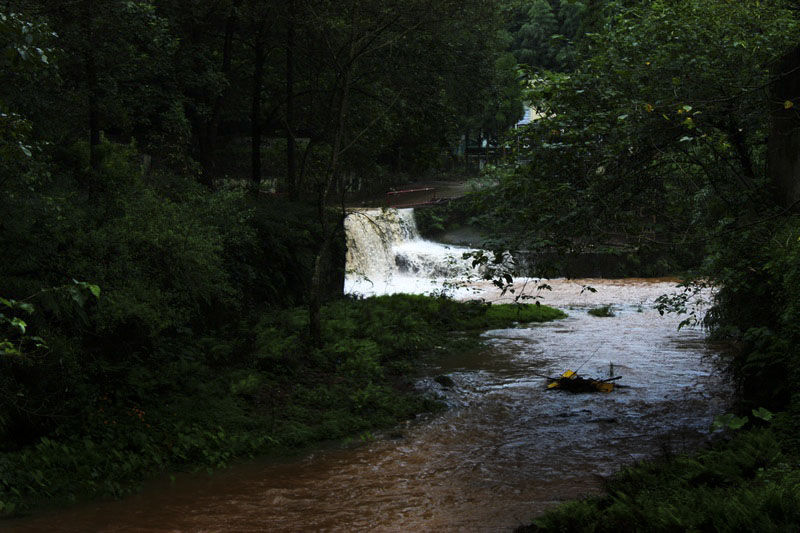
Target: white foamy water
{"x":386,"y":255}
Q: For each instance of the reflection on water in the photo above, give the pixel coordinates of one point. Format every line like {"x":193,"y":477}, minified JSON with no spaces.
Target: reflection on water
{"x":504,"y":451}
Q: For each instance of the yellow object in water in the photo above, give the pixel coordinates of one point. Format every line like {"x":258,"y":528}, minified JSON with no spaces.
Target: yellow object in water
{"x":579,"y":384}
{"x":569,"y":374}
{"x":604,"y":387}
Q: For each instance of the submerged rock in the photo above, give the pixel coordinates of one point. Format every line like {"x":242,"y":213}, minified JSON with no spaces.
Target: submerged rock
{"x":445,"y":381}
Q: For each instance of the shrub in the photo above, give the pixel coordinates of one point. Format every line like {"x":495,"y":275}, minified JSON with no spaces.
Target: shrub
{"x":744,"y":485}
{"x":603,"y":311}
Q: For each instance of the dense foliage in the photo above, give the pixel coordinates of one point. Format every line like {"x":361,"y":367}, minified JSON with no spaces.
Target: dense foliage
{"x":745,"y":486}
{"x":255,"y":387}
{"x":148,"y":262}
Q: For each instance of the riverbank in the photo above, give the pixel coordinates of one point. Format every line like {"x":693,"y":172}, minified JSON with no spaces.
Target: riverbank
{"x":749,"y":482}
{"x":504,"y":450}
{"x":274,"y":394}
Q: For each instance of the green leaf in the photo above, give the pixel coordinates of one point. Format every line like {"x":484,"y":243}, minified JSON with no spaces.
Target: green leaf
{"x":737,"y":422}
{"x":19,"y":324}
{"x":95,"y":290}
{"x":8,"y":348}
{"x":763,"y":414}
{"x":729,"y":421}
{"x":721,"y":421}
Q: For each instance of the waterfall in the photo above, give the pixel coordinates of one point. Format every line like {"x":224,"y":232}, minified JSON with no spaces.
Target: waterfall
{"x":385,"y":254}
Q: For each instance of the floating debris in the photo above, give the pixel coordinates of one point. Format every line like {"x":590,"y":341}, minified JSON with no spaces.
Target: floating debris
{"x":572,"y":382}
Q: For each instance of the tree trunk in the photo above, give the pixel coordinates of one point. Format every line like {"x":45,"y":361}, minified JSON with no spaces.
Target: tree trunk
{"x":92,"y":88}
{"x":466,"y":149}
{"x":322,"y":268}
{"x":398,"y":162}
{"x":315,"y":299}
{"x":210,"y":130}
{"x":783,"y":147}
{"x":291,"y":150}
{"x":255,"y":112}
{"x":94,"y":112}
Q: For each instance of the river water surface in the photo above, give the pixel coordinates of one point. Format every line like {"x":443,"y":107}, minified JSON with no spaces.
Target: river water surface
{"x":505,"y":450}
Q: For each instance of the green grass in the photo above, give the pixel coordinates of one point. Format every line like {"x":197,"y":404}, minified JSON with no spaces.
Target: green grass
{"x":501,"y":315}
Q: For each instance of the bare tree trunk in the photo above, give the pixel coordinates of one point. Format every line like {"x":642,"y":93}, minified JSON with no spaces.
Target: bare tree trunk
{"x":210,"y":130}
{"x":315,"y":300}
{"x":783,"y":147}
{"x":94,"y":112}
{"x":92,"y":88}
{"x":291,"y":149}
{"x":466,"y":149}
{"x":255,"y":112}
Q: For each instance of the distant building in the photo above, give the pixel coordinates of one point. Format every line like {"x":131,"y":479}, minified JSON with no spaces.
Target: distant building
{"x":530,"y":115}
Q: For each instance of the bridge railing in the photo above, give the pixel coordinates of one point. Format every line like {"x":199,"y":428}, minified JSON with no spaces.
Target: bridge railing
{"x":411,"y":197}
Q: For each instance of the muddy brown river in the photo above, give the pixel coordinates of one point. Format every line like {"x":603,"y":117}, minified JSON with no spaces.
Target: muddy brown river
{"x":505,"y":450}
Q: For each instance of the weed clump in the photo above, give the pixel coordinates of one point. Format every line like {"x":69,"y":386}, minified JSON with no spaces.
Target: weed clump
{"x":603,"y":311}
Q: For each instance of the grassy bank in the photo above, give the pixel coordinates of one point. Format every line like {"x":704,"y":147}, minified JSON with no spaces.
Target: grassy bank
{"x":261,"y":389}
{"x":746,"y":484}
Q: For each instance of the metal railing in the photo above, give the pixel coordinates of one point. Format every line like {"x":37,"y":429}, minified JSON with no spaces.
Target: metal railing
{"x":411,"y":197}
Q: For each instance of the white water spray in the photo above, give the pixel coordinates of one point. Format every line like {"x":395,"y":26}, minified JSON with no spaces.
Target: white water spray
{"x":386,"y":255}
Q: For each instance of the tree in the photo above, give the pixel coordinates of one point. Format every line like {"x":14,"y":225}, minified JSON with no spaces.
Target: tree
{"x":672,"y":141}
{"x":115,"y":86}
{"x":375,"y":56}
{"x":23,"y":55}
{"x":784,"y":140}
{"x":660,"y":131}
{"x":543,"y":32}
{"x":534,"y":35}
